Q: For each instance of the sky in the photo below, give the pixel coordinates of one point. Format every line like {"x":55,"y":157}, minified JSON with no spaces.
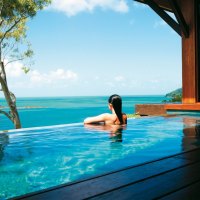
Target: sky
{"x":98,"y":47}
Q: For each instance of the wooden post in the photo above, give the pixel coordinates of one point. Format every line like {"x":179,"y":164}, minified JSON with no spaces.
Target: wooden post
{"x":187,"y":13}
{"x":189,"y":53}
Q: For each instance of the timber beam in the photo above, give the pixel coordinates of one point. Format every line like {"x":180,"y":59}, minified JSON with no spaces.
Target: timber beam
{"x":162,"y":4}
{"x":171,"y":5}
{"x":169,"y":20}
{"x":179,"y":16}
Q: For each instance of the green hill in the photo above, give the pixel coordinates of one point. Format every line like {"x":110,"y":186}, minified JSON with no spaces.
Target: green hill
{"x":175,"y":93}
{"x":174,"y":96}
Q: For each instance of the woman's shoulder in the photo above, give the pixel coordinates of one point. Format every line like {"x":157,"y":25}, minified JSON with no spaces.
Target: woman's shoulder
{"x":124,"y":116}
{"x":96,"y":119}
{"x":106,"y":114}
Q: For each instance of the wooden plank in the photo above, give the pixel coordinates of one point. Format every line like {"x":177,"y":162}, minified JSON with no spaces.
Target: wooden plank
{"x":189,"y":50}
{"x":193,"y":106}
{"x":95,"y":186}
{"x":192,"y":155}
{"x":179,"y":16}
{"x":158,"y":186}
{"x":197,"y":49}
{"x":191,"y":192}
{"x":159,"y":109}
{"x":150,"y":109}
{"x":162,"y":3}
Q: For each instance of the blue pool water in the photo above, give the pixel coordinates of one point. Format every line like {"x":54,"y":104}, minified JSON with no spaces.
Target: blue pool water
{"x":34,"y":159}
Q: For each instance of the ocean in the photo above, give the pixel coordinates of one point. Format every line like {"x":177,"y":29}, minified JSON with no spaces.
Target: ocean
{"x":47,"y":111}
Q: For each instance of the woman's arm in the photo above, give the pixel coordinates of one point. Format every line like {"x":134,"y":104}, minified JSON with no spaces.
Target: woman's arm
{"x":96,"y":119}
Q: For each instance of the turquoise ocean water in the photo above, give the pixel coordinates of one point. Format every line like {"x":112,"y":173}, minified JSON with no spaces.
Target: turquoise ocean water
{"x":45,"y":111}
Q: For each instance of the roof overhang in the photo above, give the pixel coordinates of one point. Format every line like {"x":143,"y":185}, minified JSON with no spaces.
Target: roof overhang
{"x":164,"y":4}
{"x":161,"y":6}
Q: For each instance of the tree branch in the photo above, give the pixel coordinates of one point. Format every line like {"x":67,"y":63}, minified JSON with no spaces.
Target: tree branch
{"x":13,"y":97}
{"x":16,"y":22}
{"x":7,"y":50}
{"x":3,"y":73}
{"x":1,"y":22}
{"x":14,"y":61}
{"x":1,"y":7}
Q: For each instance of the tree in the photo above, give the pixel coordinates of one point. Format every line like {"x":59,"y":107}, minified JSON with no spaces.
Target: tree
{"x":175,"y":96}
{"x":13,"y":44}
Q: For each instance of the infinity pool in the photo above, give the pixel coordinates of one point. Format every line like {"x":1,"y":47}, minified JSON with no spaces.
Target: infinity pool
{"x":35,"y":159}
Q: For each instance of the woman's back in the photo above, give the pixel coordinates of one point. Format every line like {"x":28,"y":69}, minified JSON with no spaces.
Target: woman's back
{"x":116,"y":118}
{"x":112,"y":119}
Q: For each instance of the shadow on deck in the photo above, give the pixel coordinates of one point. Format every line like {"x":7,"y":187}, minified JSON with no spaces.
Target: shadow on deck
{"x":172,"y":177}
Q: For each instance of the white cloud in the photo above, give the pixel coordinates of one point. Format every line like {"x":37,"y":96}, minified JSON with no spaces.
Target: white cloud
{"x":119,"y":78}
{"x":52,"y":76}
{"x":96,"y":78}
{"x":160,"y":23}
{"x":120,"y":6}
{"x":34,"y":78}
{"x":110,"y":84}
{"x":139,"y":5}
{"x":154,"y":81}
{"x":14,"y":69}
{"x":73,"y":7}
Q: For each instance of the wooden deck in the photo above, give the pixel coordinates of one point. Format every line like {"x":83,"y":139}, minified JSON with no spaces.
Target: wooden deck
{"x":182,"y":107}
{"x":173,"y":177}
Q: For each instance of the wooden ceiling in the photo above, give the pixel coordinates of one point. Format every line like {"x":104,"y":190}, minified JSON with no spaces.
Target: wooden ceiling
{"x":162,"y":4}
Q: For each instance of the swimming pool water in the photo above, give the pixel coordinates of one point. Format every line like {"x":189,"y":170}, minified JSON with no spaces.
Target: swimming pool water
{"x":34,"y":159}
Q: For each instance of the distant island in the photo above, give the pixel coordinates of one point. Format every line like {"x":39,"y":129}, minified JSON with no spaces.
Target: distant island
{"x":175,"y":96}
{"x":175,"y":92}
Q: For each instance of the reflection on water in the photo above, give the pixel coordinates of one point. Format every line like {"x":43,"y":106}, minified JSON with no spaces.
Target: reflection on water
{"x":116,"y":136}
{"x":4,"y":140}
{"x":115,"y":131}
{"x":191,"y":133}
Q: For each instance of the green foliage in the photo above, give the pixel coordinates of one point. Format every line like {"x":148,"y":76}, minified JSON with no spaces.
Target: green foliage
{"x":28,"y":53}
{"x":133,"y":115}
{"x":13,"y":45}
{"x":25,"y":69}
{"x":13,"y":18}
{"x":175,"y":92}
{"x":175,"y":96}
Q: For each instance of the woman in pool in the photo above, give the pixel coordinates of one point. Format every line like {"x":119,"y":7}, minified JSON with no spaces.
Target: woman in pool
{"x":116,"y":118}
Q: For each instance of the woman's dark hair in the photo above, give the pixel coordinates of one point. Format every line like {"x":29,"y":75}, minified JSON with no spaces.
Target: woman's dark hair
{"x":116,"y":102}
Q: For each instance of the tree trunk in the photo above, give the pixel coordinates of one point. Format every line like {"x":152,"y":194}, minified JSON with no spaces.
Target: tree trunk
{"x":10,"y":98}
